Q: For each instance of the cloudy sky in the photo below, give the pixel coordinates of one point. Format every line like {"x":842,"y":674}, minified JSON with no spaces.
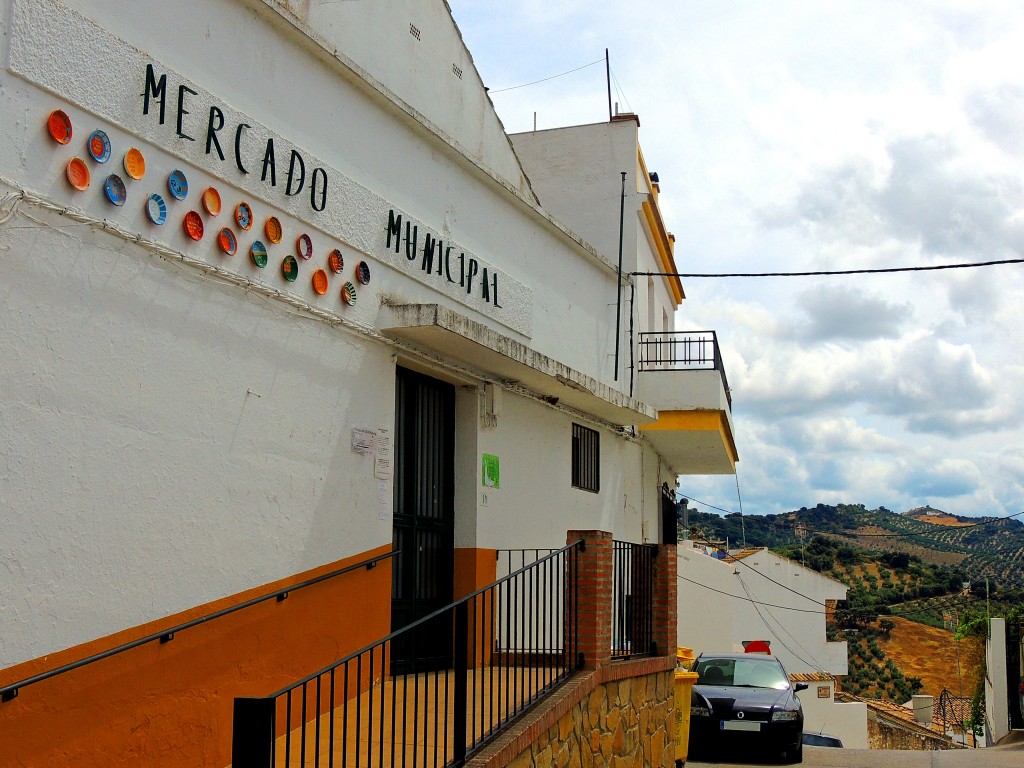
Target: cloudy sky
{"x":797,"y":136}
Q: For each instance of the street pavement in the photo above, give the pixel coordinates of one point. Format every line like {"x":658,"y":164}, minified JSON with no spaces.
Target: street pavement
{"x":1009,"y":754}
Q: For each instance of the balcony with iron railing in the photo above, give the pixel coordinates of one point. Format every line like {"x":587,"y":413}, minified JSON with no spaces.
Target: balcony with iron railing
{"x":682,"y":375}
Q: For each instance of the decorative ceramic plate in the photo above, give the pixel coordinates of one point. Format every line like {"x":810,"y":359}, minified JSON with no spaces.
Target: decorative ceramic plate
{"x":336,"y":262}
{"x":59,"y":126}
{"x":98,"y":145}
{"x":228,"y":242}
{"x":193,"y":225}
{"x":304,"y":247}
{"x":114,"y":187}
{"x":363,"y":273}
{"x":290,"y":269}
{"x":258,"y":253}
{"x":134,"y":164}
{"x":78,"y":174}
{"x":348,"y":294}
{"x":211,"y":201}
{"x":177,"y":184}
{"x":156,"y":209}
{"x":320,"y":282}
{"x":243,"y":215}
{"x":273,"y":230}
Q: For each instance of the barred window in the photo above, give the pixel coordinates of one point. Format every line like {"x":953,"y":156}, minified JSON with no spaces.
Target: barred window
{"x":586,"y":459}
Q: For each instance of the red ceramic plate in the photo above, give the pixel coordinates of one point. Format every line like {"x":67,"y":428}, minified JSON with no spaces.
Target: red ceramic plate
{"x":78,"y":174}
{"x":193,"y":225}
{"x":304,"y":247}
{"x":336,"y":262}
{"x":228,"y":242}
{"x":59,"y":126}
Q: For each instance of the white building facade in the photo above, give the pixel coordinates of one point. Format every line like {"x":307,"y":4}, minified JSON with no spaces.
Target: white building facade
{"x":756,"y":594}
{"x":280,"y":298}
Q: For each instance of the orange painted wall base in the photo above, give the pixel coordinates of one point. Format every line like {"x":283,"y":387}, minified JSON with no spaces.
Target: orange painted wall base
{"x":170,"y":704}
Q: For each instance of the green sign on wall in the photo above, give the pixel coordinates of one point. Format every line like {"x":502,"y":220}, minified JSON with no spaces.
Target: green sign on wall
{"x":490,"y":474}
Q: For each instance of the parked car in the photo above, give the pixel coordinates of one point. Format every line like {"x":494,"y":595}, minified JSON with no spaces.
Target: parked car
{"x":822,"y":740}
{"x":745,"y":699}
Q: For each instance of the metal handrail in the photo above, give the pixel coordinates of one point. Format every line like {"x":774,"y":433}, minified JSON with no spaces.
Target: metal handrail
{"x":479,"y":680}
{"x":9,"y":692}
{"x":439,"y":612}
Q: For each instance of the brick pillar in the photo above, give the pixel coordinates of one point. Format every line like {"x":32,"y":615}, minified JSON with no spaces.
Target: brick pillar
{"x":594,"y":596}
{"x":665,"y":607}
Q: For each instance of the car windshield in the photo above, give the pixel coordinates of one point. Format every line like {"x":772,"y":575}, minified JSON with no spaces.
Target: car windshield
{"x":752,"y":673}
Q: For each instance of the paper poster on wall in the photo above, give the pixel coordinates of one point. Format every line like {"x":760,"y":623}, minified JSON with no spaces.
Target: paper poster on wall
{"x":490,"y":475}
{"x":382,"y":465}
{"x":383,"y":500}
{"x":363,"y":441}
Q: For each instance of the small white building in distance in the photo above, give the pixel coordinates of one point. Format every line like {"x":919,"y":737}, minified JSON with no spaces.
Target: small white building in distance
{"x":757,"y":595}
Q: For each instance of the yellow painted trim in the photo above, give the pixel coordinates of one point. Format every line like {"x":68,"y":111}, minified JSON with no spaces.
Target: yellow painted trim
{"x":663,"y":241}
{"x":696,"y":421}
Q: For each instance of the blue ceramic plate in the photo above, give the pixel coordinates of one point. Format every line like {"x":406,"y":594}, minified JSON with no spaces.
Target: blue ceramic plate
{"x":177,"y":184}
{"x":114,"y":187}
{"x":156,"y":209}
{"x":98,"y":145}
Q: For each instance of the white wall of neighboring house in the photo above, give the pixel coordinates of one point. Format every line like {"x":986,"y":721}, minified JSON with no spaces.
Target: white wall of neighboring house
{"x":171,"y":437}
{"x":997,"y":709}
{"x":761,"y":589}
{"x":722,"y":604}
{"x":823,"y":714}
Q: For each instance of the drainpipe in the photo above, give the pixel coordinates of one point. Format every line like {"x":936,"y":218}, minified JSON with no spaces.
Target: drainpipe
{"x":618,"y":279}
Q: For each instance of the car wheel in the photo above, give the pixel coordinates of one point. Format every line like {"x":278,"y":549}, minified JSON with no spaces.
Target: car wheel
{"x":795,"y":755}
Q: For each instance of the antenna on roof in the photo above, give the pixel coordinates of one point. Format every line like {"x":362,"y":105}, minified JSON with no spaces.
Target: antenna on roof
{"x":608,"y":80}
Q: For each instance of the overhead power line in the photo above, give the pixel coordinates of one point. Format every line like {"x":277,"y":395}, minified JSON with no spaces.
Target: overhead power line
{"x":545,"y":79}
{"x":832,"y":272}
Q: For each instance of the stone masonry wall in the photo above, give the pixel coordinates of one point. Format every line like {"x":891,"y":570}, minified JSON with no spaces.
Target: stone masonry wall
{"x":621,"y":724}
{"x":883,"y":735}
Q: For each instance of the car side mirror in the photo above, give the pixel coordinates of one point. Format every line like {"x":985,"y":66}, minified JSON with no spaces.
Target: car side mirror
{"x":800,"y":687}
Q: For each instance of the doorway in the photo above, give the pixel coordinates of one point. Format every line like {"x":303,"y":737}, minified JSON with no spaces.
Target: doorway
{"x":424,"y":520}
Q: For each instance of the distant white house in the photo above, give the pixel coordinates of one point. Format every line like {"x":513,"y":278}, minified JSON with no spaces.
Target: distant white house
{"x":755,"y":594}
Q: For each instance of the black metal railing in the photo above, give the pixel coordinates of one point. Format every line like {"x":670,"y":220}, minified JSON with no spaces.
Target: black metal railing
{"x":512,"y":643}
{"x":683,"y":351}
{"x":633,"y":599}
{"x":9,"y":692}
{"x":510,"y":560}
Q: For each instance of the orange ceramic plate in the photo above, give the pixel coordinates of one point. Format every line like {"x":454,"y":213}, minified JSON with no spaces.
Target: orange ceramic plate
{"x":320,"y":283}
{"x":134,"y":163}
{"x":273,"y":230}
{"x":193,"y":225}
{"x":59,"y":126}
{"x":211,"y":201}
{"x":78,"y":174}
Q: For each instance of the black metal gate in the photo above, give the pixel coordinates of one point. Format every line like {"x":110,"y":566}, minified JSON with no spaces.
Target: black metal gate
{"x":669,"y":515}
{"x":424,"y":521}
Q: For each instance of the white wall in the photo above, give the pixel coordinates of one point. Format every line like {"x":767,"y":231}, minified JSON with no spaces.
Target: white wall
{"x":997,"y":711}
{"x":170,"y":437}
{"x":706,"y":617}
{"x":845,"y":720}
{"x":534,"y":445}
{"x":759,"y":592}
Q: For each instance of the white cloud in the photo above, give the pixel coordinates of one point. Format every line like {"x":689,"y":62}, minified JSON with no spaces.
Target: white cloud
{"x":795,"y":136}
